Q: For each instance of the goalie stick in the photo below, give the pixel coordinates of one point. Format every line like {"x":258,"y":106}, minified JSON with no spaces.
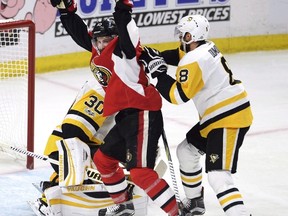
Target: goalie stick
{"x":29,"y":153}
{"x":92,"y":174}
{"x":172,"y":174}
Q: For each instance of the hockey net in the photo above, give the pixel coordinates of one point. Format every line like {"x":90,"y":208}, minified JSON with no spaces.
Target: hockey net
{"x":17,"y":78}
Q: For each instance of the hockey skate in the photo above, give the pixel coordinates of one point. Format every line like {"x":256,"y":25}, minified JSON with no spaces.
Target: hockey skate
{"x":40,"y":207}
{"x":194,"y":206}
{"x":123,"y":209}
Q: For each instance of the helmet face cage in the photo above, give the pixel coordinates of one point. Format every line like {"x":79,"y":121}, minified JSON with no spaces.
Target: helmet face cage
{"x":197,"y":25}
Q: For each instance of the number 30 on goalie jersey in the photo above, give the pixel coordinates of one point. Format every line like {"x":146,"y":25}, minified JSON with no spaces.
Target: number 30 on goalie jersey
{"x":84,"y":119}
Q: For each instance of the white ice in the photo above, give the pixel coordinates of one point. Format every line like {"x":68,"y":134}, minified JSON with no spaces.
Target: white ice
{"x":262,"y":166}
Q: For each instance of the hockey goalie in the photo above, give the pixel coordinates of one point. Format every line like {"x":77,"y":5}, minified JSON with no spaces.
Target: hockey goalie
{"x":74,"y":193}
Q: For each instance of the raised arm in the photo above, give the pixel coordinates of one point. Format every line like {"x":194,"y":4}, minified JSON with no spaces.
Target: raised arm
{"x":128,"y":31}
{"x":73,"y":24}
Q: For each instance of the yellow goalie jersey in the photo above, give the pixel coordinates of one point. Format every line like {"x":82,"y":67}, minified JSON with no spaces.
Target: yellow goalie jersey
{"x":84,"y":119}
{"x":204,"y":76}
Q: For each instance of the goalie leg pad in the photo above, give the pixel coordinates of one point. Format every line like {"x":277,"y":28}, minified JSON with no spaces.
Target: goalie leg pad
{"x":80,"y":202}
{"x":74,"y":158}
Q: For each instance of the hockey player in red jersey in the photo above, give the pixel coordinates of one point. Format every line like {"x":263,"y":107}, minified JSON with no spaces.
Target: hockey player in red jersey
{"x":203,"y":76}
{"x":134,"y":139}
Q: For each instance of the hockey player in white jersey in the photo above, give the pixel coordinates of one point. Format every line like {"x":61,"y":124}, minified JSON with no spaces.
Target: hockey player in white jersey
{"x":204,"y":76}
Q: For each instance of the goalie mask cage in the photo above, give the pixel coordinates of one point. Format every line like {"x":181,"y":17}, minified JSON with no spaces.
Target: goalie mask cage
{"x":17,"y":83}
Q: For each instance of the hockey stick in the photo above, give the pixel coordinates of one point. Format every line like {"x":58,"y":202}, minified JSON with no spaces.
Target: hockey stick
{"x":29,"y":153}
{"x":172,"y":173}
{"x":92,"y":174}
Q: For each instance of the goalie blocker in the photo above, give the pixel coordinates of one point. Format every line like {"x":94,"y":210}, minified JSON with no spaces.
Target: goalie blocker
{"x":74,"y":158}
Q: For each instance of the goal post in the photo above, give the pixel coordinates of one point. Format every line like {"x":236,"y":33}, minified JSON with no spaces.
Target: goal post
{"x":17,"y":86}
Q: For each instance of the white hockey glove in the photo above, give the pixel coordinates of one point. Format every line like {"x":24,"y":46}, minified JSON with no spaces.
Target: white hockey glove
{"x":153,"y":62}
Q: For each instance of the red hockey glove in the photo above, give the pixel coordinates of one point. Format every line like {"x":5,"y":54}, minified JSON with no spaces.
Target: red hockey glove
{"x":153,"y":62}
{"x":124,"y":4}
{"x":70,"y":5}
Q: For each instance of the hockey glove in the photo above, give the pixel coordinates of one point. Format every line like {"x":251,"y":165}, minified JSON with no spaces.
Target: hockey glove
{"x":124,"y":4}
{"x":153,"y":62}
{"x":54,"y":3}
{"x":65,"y":6}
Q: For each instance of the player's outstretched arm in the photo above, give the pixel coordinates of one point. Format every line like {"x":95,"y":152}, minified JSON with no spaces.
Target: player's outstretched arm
{"x":72,"y":23}
{"x":128,"y":32}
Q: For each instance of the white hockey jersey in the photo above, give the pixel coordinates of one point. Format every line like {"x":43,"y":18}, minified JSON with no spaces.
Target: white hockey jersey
{"x":204,"y":76}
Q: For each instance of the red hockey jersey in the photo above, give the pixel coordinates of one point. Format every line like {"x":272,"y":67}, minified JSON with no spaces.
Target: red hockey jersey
{"x":118,"y":71}
{"x":117,"y":68}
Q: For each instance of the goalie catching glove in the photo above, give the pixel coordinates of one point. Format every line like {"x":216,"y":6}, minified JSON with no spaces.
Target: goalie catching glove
{"x":65,"y":6}
{"x":153,"y":62}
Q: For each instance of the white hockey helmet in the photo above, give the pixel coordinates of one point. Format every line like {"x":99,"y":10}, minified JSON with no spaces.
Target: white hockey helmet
{"x":197,"y":25}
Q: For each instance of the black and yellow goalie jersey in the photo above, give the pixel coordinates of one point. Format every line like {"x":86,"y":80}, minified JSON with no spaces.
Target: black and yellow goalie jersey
{"x":84,"y":119}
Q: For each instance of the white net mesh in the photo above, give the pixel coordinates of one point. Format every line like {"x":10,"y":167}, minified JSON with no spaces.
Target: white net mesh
{"x":13,"y":89}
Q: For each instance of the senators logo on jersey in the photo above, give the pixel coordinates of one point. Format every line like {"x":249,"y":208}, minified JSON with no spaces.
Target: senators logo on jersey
{"x":102,"y":74}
